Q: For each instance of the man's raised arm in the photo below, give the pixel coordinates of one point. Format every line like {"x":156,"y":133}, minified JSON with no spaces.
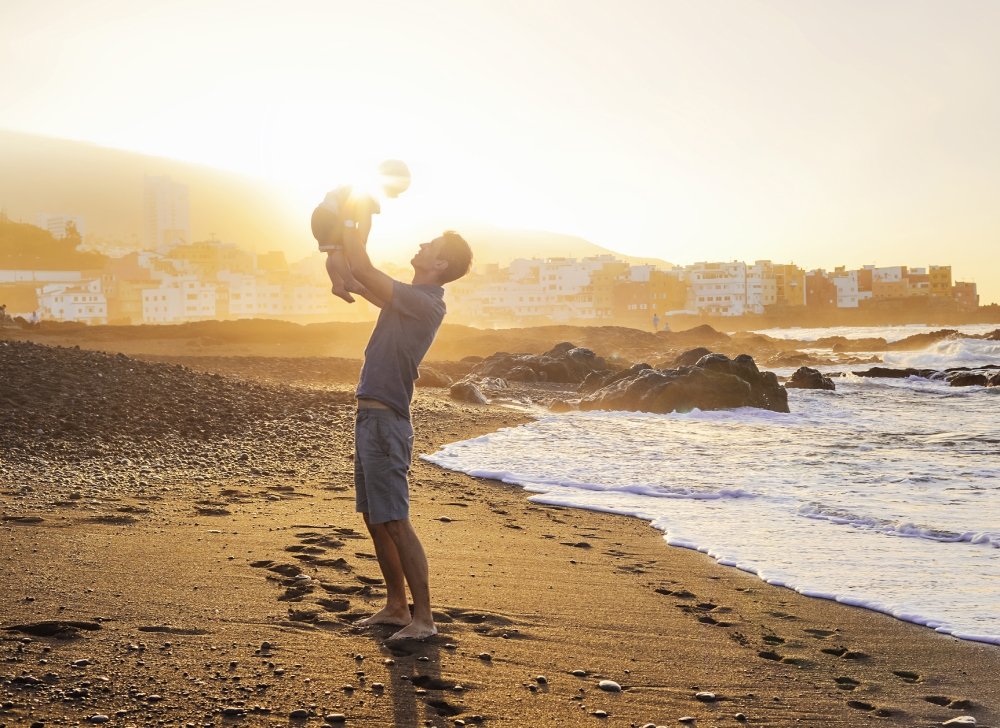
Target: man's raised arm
{"x":378,"y":283}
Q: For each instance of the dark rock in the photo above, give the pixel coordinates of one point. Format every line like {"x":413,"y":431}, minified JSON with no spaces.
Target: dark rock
{"x":994,"y":381}
{"x":432,"y":378}
{"x":565,"y":363}
{"x":890,"y":373}
{"x":691,"y":357}
{"x":715,"y":382}
{"x":968,"y":379}
{"x":467,"y":392}
{"x":806,"y":378}
{"x":522,"y":374}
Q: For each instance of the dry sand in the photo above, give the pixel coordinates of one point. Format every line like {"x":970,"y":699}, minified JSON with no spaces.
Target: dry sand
{"x":175,"y":576}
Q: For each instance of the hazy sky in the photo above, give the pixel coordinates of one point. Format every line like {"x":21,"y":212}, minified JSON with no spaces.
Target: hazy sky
{"x":825,"y":132}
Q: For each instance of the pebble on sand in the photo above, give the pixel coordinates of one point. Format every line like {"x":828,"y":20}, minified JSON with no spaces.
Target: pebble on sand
{"x":705,"y":697}
{"x":541,"y":680}
{"x":335,"y":718}
{"x":485,"y":656}
{"x":961,"y":720}
{"x":98,"y":718}
{"x":300,"y":714}
{"x":444,"y":519}
{"x":685,"y":719}
{"x":610,"y":686}
{"x":579,"y":673}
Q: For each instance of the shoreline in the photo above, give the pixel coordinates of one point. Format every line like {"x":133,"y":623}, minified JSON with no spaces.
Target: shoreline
{"x":509,"y":578}
{"x":177,"y":567}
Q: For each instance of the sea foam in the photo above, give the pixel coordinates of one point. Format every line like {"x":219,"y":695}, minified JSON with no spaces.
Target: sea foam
{"x":883,"y":494}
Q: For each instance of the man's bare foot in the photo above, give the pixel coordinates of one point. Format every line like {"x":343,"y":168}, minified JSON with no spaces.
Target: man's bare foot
{"x":386,"y":616}
{"x":341,"y":292}
{"x":414,"y":631}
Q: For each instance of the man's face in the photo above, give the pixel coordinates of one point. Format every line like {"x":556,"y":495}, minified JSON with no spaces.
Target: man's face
{"x":426,"y":258}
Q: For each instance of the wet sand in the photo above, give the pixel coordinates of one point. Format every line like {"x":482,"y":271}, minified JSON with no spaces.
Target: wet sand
{"x":178,"y":566}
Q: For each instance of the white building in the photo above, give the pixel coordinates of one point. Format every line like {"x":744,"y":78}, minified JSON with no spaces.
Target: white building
{"x":56,"y":224}
{"x":177,"y":300}
{"x":166,"y":212}
{"x":761,"y":287}
{"x":83,"y":302}
{"x":847,"y":289}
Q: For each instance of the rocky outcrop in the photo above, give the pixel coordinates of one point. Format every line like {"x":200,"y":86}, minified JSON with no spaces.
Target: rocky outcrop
{"x":806,"y":378}
{"x":994,"y":381}
{"x":565,"y":363}
{"x":430,"y":377}
{"x":714,"y":382}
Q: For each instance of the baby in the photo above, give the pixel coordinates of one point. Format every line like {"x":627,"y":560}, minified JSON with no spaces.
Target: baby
{"x":349,"y":207}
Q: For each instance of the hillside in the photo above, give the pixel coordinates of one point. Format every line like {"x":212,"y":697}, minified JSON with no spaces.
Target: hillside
{"x":105,"y":185}
{"x":26,"y":247}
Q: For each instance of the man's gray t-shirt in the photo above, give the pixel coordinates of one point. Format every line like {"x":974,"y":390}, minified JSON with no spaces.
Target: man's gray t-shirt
{"x":404,"y":332}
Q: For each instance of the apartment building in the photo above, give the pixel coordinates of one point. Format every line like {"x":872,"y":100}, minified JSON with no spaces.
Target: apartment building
{"x":166,"y":211}
{"x":185,"y":298}
{"x":83,"y":302}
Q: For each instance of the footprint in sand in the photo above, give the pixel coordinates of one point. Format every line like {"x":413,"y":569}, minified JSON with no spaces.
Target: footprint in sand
{"x":846,"y":683}
{"x":820,"y":634}
{"x":906,"y":675}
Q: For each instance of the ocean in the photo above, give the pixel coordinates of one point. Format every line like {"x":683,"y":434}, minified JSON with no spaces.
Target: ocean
{"x":884,"y":494}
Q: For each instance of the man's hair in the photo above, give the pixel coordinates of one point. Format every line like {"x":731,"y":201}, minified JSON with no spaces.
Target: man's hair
{"x":458,"y":255}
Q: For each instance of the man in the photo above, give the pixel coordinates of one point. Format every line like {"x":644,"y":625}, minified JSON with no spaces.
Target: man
{"x":656,"y":323}
{"x":383,"y":436}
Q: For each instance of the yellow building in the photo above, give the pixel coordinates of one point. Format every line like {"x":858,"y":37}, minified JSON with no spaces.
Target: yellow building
{"x":603,"y":283}
{"x":667,"y":291}
{"x":790,"y":282}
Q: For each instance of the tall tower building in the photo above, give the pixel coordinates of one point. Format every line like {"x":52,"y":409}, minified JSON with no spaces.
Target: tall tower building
{"x":166,"y":213}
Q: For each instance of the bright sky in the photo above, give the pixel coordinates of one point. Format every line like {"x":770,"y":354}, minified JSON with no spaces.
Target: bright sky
{"x":824,"y":132}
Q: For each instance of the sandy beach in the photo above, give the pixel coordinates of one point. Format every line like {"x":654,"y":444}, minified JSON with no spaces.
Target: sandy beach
{"x":155,"y":570}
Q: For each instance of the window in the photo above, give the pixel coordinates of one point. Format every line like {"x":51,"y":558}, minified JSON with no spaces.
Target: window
{"x":192,"y":308}
{"x":192,"y":296}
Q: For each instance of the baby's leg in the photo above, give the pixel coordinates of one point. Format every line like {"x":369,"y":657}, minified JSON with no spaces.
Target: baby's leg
{"x":336,"y":266}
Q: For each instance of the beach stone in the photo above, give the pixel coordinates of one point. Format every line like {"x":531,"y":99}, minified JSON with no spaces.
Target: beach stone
{"x":300,"y":714}
{"x":579,"y":673}
{"x":541,"y":680}
{"x":444,"y":519}
{"x":335,"y":718}
{"x":961,"y":720}
{"x":560,"y":405}
{"x":429,"y":377}
{"x":485,"y":656}
{"x":599,"y":714}
{"x":467,"y":392}
{"x":968,"y":379}
{"x":705,"y":697}
{"x":686,"y":719}
{"x":806,"y":378}
{"x":610,"y":686}
{"x":740,"y":717}
{"x":98,"y":718}
{"x":233,"y":711}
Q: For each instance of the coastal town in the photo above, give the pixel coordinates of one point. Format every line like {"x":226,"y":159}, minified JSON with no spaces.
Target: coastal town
{"x":168,"y":278}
